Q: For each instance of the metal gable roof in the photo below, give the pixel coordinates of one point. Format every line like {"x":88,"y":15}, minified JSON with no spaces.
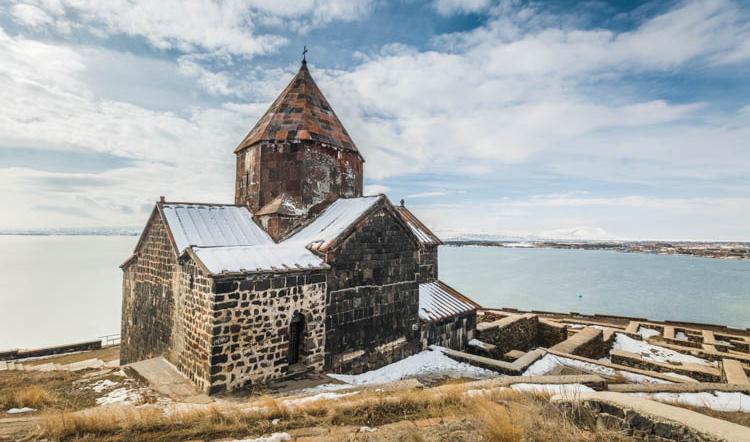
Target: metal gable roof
{"x":438,"y":301}
{"x":421,"y":231}
{"x":333,"y":221}
{"x":260,"y":258}
{"x":209,"y":225}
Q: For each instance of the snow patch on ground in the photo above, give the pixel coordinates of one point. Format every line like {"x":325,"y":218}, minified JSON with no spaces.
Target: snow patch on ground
{"x":21,"y":410}
{"x":324,"y":387}
{"x":430,"y":362}
{"x":102,"y":385}
{"x":120,"y":396}
{"x":275,"y":437}
{"x":646,"y":332}
{"x":718,"y":401}
{"x":550,"y":362}
{"x":317,"y":397}
{"x":566,"y":390}
{"x":655,"y":353}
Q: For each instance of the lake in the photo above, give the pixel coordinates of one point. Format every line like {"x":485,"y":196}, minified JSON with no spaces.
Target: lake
{"x":658,"y":287}
{"x":62,"y":289}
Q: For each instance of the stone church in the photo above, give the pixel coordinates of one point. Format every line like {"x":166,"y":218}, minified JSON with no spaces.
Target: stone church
{"x":302,"y":273}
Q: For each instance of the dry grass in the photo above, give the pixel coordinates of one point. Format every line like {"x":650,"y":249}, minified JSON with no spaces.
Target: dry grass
{"x":496,"y":422}
{"x":500,"y":415}
{"x":33,"y":396}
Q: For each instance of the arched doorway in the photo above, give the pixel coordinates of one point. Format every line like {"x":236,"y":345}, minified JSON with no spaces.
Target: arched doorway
{"x":296,"y":338}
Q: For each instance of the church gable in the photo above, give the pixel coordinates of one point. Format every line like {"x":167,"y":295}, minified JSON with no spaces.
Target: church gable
{"x":377,"y":249}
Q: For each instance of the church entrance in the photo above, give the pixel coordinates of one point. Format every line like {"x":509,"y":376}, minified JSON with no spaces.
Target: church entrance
{"x":296,"y":338}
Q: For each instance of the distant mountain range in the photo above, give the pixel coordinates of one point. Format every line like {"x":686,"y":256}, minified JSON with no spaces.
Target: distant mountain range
{"x":83,"y":231}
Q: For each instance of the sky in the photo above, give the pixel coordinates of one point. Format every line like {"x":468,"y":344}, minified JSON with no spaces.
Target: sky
{"x":590,"y":119}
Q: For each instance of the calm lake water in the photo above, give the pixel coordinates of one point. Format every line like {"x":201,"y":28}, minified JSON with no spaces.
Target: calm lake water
{"x":592,"y":281}
{"x":61,"y":289}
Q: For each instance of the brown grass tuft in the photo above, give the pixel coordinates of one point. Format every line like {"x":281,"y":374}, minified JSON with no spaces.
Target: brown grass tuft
{"x":495,"y":421}
{"x":501,"y":415}
{"x":33,"y":396}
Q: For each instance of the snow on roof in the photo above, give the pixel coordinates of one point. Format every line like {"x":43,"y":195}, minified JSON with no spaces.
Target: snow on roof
{"x":334,"y":220}
{"x":422,"y":232}
{"x":209,"y":225}
{"x":274,"y":257}
{"x":439,"y":301}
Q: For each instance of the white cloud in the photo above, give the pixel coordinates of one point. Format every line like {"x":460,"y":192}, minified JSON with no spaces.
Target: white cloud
{"x":426,"y":194}
{"x":528,"y":92}
{"x":449,"y":7}
{"x":47,"y":102}
{"x":374,"y":189}
{"x":523,"y":90}
{"x":30,"y":15}
{"x":630,"y":217}
{"x":226,"y":26}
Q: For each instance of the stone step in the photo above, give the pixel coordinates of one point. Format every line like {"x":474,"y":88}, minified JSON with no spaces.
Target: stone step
{"x":692,"y":387}
{"x":632,"y":327}
{"x":44,"y":367}
{"x":515,"y":354}
{"x":733,"y":372}
{"x":3,"y":365}
{"x":708,"y":337}
{"x":668,"y":332}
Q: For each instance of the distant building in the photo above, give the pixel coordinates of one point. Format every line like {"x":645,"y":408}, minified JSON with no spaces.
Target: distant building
{"x":301,"y":273}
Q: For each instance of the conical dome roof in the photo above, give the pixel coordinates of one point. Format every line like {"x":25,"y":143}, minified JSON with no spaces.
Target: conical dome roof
{"x":300,"y":113}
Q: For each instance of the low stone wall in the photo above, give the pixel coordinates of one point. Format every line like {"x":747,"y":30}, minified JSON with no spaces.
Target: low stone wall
{"x":698,"y":372}
{"x":514,"y":368}
{"x":587,"y":343}
{"x":648,"y":420}
{"x":50,"y":351}
{"x":453,"y":333}
{"x":509,"y":333}
{"x":550,"y":333}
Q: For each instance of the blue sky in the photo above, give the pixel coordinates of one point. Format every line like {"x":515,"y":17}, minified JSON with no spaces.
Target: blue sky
{"x":557,"y":119}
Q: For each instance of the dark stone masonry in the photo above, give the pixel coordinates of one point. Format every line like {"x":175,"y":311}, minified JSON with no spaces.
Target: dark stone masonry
{"x":148,"y":295}
{"x":301,"y":274}
{"x":373,"y":296}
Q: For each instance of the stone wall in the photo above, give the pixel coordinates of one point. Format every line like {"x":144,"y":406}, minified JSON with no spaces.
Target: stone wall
{"x":595,"y":415}
{"x":193,"y":314}
{"x":509,"y":333}
{"x":373,"y":296}
{"x":250,"y":327}
{"x":308,"y":171}
{"x":453,"y":333}
{"x":428,"y":264}
{"x":148,"y":296}
{"x":550,"y":333}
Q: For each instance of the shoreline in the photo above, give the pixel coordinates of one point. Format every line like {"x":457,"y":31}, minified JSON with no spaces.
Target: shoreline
{"x":713,"y":250}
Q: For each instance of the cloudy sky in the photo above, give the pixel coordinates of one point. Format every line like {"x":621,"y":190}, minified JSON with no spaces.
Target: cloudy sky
{"x":601,"y":119}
